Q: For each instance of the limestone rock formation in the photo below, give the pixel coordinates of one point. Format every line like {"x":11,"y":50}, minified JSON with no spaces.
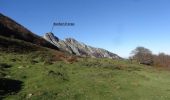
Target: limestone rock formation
{"x":75,"y":47}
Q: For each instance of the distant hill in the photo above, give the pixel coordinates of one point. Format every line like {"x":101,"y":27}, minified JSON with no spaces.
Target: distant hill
{"x":11,"y":29}
{"x":75,"y":47}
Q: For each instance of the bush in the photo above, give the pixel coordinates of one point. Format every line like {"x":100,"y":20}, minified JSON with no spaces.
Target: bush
{"x":111,"y":66}
{"x":142,"y":55}
{"x":162,"y":60}
{"x":2,"y":74}
{"x":41,"y":56}
{"x":62,"y":75}
{"x":4,"y":65}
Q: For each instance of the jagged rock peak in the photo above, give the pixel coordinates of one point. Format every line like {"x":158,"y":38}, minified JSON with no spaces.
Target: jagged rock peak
{"x":71,"y":40}
{"x":78,"y":48}
{"x":50,"y":36}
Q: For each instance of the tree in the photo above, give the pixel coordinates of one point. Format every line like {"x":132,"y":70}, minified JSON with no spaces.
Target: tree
{"x":162,"y":60}
{"x":142,"y":55}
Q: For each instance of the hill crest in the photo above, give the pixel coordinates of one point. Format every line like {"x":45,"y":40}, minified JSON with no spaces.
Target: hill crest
{"x":73,"y":46}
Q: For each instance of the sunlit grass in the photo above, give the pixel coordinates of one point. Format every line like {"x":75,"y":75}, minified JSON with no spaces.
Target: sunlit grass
{"x":87,"y":79}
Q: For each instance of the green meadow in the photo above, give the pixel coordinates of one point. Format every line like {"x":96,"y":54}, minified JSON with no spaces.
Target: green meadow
{"x":30,"y":76}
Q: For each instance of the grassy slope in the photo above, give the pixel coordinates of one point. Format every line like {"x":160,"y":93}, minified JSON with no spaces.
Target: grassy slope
{"x":12,"y":29}
{"x":87,"y":79}
{"x":15,"y":45}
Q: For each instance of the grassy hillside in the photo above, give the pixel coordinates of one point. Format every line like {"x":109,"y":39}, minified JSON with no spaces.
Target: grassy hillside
{"x":15,"y":45}
{"x":29,"y":70}
{"x":86,"y":79}
{"x":11,"y":29}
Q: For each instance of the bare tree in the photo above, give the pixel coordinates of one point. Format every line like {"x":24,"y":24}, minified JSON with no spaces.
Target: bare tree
{"x":162,"y":60}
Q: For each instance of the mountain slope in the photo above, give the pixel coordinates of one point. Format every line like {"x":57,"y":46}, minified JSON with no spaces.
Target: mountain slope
{"x":11,"y":29}
{"x":74,"y":47}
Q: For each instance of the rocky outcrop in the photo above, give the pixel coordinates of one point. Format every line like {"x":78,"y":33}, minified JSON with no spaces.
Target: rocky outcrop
{"x":74,"y":47}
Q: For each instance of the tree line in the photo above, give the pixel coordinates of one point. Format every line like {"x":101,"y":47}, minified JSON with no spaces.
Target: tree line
{"x":145,"y":56}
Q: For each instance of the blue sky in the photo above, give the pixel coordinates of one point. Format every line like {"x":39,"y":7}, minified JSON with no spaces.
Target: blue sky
{"x":116,"y":25}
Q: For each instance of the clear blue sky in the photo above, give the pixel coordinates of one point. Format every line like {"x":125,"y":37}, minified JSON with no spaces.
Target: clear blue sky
{"x":116,"y":25}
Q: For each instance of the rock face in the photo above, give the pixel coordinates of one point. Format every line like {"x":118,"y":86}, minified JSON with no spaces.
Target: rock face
{"x":74,"y":47}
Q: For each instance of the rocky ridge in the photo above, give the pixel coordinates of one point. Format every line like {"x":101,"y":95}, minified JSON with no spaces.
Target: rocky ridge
{"x":75,"y":47}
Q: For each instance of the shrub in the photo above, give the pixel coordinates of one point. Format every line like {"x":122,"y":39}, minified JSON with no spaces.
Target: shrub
{"x":4,"y":65}
{"x":62,"y":75}
{"x":72,"y":59}
{"x":41,"y":56}
{"x":142,"y":55}
{"x":162,"y":60}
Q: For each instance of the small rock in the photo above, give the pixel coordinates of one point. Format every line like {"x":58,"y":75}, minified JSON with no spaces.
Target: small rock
{"x":20,"y":67}
{"x":29,"y":95}
{"x":27,"y":66}
{"x":7,"y":76}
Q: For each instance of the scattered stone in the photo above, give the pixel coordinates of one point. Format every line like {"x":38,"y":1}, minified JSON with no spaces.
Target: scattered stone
{"x":27,"y":66}
{"x":20,"y":67}
{"x":29,"y":95}
{"x":7,"y":76}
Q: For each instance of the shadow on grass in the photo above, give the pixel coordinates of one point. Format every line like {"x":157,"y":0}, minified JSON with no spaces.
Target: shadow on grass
{"x":4,"y":66}
{"x":9,"y":86}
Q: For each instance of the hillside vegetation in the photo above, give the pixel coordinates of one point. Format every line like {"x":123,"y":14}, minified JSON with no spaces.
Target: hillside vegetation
{"x":30,"y":76}
{"x":31,"y":68}
{"x":11,"y":29}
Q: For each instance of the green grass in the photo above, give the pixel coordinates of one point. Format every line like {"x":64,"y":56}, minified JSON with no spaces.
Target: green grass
{"x":87,"y":79}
